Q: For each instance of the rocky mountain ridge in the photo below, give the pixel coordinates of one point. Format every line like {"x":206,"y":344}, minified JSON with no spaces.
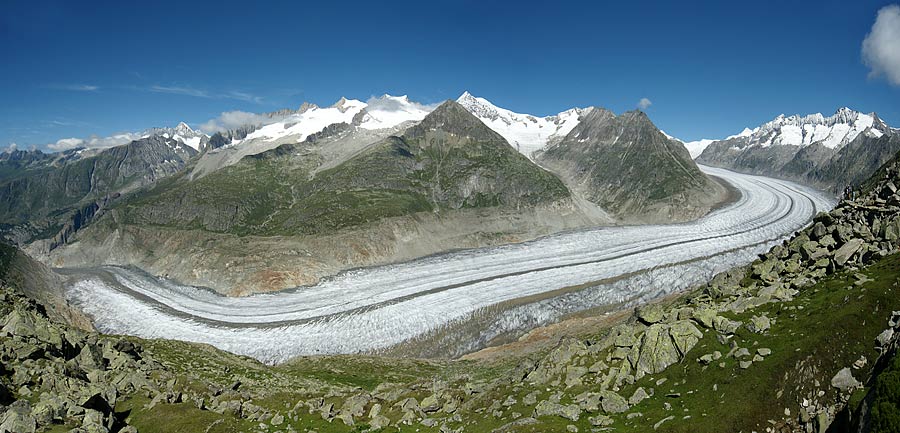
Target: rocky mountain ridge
{"x":630,"y":168}
{"x":827,"y":152}
{"x":40,"y":200}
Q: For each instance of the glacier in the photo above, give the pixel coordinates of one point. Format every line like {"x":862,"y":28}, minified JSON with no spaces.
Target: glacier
{"x":373,"y":309}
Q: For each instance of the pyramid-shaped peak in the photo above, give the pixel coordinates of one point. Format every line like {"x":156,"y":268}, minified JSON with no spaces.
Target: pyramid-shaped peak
{"x":183,"y":128}
{"x":453,"y":118}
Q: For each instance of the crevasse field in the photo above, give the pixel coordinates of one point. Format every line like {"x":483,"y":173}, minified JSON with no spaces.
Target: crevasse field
{"x":373,"y":309}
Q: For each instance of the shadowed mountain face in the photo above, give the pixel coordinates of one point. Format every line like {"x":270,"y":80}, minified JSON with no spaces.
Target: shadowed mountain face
{"x":452,"y":160}
{"x":43,"y":193}
{"x":448,"y":161}
{"x":631,"y":169}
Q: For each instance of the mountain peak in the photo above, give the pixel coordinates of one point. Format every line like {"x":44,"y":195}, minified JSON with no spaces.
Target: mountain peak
{"x":455,"y":119}
{"x":345,"y":104}
{"x":306,"y":106}
{"x":834,"y":131}
{"x":183,"y":129}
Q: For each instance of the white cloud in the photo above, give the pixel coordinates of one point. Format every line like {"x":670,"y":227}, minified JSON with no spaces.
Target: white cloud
{"x":200,"y":93}
{"x":644,"y":103}
{"x":176,"y":90}
{"x":384,"y":103}
{"x":881,"y":48}
{"x":75,"y":87}
{"x":243,"y":96}
{"x":65,"y":144}
{"x":235,"y":119}
{"x":11,"y":148}
{"x":94,"y":141}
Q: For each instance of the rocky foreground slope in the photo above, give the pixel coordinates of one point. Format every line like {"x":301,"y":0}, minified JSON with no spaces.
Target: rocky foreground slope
{"x":797,"y":341}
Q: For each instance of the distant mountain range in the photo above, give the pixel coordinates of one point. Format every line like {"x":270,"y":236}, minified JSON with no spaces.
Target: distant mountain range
{"x":831,"y":153}
{"x":291,"y":196}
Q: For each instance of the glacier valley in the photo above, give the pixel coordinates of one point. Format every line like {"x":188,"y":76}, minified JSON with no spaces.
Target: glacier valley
{"x":517,"y":287}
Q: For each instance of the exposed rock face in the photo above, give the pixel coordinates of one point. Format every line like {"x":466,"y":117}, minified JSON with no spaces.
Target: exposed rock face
{"x":49,"y":198}
{"x":844,"y":380}
{"x":631,"y":169}
{"x":663,"y":345}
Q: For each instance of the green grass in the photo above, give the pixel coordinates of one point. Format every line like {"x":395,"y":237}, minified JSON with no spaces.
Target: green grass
{"x":835,"y":327}
{"x":279,"y":196}
{"x":825,"y":328}
{"x":885,"y":406}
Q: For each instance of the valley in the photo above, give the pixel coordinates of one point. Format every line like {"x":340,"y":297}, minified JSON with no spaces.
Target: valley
{"x":485,"y":295}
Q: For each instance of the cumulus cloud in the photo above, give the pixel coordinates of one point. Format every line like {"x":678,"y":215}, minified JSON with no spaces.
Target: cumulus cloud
{"x":11,"y":148}
{"x":385,"y":103}
{"x":94,"y":141}
{"x":644,"y":103}
{"x":881,"y":48}
{"x":65,"y":144}
{"x":235,"y":119}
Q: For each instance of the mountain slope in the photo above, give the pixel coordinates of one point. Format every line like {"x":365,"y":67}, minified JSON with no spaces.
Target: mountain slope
{"x":631,"y":169}
{"x":39,"y":201}
{"x":826,"y":152}
{"x":448,"y":161}
{"x":293,"y":214}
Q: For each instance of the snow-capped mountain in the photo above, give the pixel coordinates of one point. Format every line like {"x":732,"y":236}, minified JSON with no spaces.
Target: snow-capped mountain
{"x":830,"y":152}
{"x":389,"y":111}
{"x":833,"y":132}
{"x":695,"y":148}
{"x":525,"y":132}
{"x":182,"y":134}
{"x":378,"y":113}
{"x":309,"y":119}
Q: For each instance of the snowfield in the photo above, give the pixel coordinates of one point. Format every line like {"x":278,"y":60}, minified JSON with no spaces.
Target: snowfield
{"x":373,"y":309}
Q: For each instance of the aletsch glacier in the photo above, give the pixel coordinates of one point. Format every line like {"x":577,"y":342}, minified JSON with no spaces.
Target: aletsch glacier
{"x":373,"y":309}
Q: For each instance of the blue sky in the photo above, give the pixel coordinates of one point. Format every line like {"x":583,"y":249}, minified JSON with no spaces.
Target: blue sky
{"x":73,"y":69}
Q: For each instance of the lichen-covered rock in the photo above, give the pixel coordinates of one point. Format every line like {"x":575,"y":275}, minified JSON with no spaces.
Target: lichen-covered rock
{"x":844,"y":380}
{"x":18,"y":419}
{"x":600,"y":421}
{"x":651,"y":314}
{"x":705,"y":317}
{"x":661,"y":346}
{"x":549,"y":408}
{"x":612,"y":402}
{"x":759,"y":324}
{"x":639,"y":395}
{"x":845,"y":252}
